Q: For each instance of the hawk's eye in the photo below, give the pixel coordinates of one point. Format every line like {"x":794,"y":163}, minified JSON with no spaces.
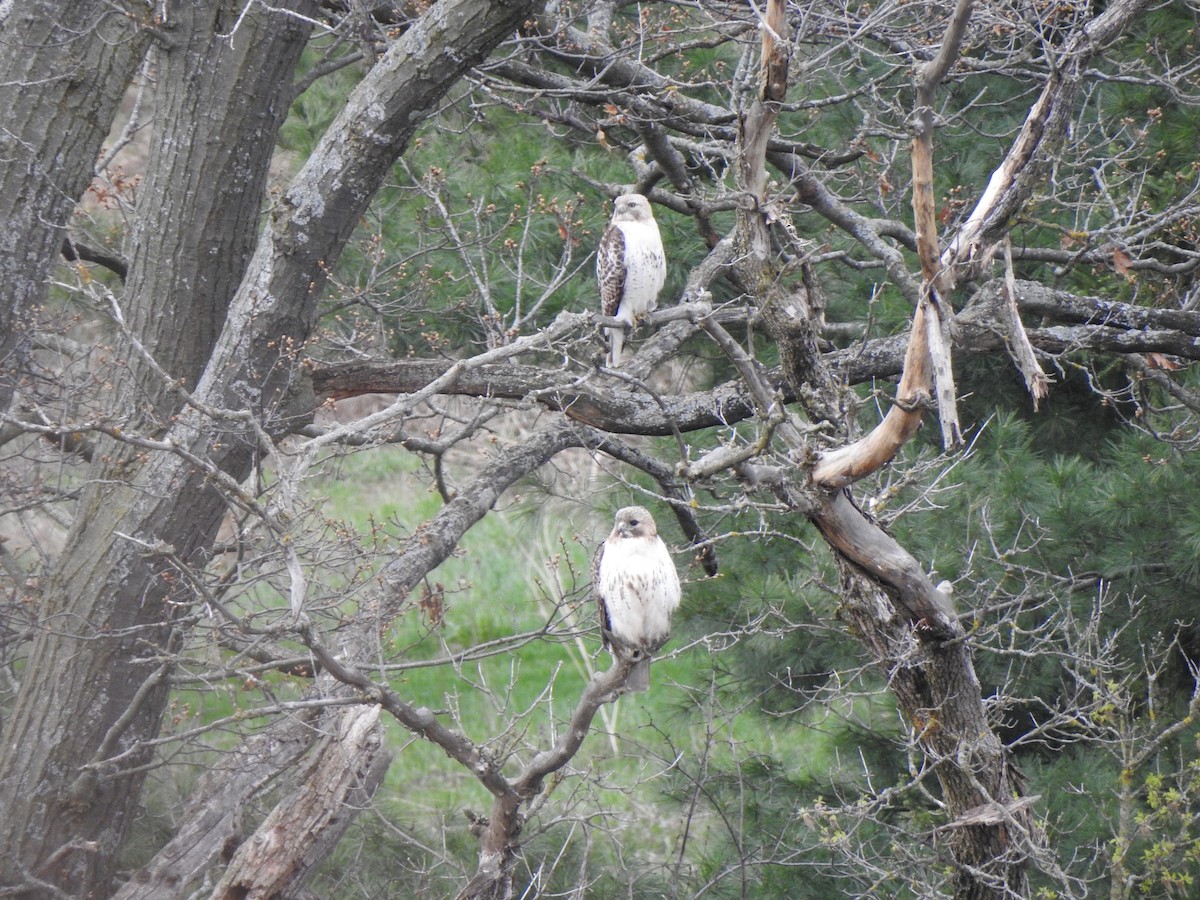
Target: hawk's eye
{"x":633,"y":522}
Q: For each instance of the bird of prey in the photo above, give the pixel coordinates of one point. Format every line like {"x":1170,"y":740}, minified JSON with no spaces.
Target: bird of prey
{"x":637,"y":590}
{"x":630,"y":267}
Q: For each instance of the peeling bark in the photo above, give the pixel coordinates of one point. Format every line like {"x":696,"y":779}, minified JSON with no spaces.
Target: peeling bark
{"x":1020,"y":349}
{"x":335,"y":784}
{"x":935,"y":297}
{"x":213,"y":825}
{"x":851,"y":462}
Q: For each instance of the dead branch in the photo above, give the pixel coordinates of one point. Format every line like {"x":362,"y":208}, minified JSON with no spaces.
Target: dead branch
{"x":348,"y":765}
{"x":1014,"y":179}
{"x":1018,"y":341}
{"x":935,"y":291}
{"x":849,"y":463}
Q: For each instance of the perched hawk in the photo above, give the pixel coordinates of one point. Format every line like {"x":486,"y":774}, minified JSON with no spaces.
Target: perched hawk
{"x":637,"y":590}
{"x":630,"y":267}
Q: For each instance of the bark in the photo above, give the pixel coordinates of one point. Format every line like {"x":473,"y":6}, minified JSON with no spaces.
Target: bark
{"x":591,"y":402}
{"x":927,"y":369}
{"x":59,"y":101}
{"x":254,"y":363}
{"x":109,"y":606}
{"x":934,"y":311}
{"x":849,"y":463}
{"x":340,"y":779}
{"x":938,"y":692}
{"x":228,"y":340}
{"x":220,"y":101}
{"x":873,"y":551}
{"x":170,"y":508}
{"x":285,"y":848}
{"x":1019,"y":347}
{"x":213,"y":824}
{"x":788,"y":310}
{"x":907,"y":624}
{"x":929,"y":77}
{"x":261,"y":759}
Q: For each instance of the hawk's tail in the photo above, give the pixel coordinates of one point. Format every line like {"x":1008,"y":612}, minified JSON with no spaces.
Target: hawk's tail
{"x":616,"y":341}
{"x":638,"y":681}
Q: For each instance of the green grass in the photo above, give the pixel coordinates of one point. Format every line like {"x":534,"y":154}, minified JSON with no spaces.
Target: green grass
{"x":495,"y":587}
{"x":645,"y":754}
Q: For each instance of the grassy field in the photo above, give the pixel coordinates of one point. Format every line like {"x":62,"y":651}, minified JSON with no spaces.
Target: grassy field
{"x":512,"y":569}
{"x":639,"y":791}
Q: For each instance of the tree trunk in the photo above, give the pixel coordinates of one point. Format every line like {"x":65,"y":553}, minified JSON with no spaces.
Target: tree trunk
{"x":273,"y":308}
{"x":990,"y":831}
{"x":220,"y":100}
{"x":94,"y":683}
{"x":59,"y":102}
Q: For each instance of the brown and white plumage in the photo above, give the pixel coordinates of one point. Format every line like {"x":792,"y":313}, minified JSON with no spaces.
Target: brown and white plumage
{"x":637,"y":591}
{"x":630,"y":267}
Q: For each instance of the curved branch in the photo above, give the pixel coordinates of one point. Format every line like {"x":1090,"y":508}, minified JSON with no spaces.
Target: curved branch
{"x":857,"y":460}
{"x":1102,"y":325}
{"x":812,"y":191}
{"x":503,"y":828}
{"x":73,"y":251}
{"x":420,"y":721}
{"x":848,"y":530}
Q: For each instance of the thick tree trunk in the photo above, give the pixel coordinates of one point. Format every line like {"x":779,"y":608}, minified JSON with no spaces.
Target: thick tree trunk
{"x":63,"y":71}
{"x":94,"y":683}
{"x":275,"y":305}
{"x":221,"y":98}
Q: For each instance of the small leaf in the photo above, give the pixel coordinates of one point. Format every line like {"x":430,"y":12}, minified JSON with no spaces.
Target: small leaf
{"x":1123,"y":263}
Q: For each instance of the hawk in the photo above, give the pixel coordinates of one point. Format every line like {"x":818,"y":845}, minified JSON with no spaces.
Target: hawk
{"x":637,"y":590}
{"x":630,"y":267}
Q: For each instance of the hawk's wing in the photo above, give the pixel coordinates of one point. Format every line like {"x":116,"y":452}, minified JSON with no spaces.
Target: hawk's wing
{"x":610,"y":269}
{"x":601,"y":606}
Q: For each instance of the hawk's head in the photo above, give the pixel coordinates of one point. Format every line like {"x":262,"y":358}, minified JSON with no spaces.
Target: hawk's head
{"x":634,"y":521}
{"x":632,"y":208}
